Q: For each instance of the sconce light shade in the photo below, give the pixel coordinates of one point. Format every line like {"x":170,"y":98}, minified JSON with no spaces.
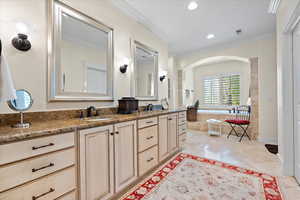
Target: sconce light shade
{"x":123,"y":68}
{"x":162,"y":78}
{"x":21,"y":42}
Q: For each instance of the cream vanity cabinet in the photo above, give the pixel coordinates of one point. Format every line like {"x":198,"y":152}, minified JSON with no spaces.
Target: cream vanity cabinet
{"x":96,"y":163}
{"x":163,"y":137}
{"x":108,"y":160}
{"x":182,"y":127}
{"x":125,"y":148}
{"x":168,"y":137}
{"x":42,"y":168}
{"x":147,"y":144}
{"x":172,"y":133}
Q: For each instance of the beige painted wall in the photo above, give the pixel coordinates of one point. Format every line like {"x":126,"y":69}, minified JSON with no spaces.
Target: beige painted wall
{"x":173,"y":76}
{"x":264,"y":48}
{"x":285,"y":89}
{"x":188,"y":84}
{"x":29,"y":69}
{"x":241,"y":68}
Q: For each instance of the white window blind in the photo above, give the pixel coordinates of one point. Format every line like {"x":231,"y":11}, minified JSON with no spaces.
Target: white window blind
{"x":222,"y":90}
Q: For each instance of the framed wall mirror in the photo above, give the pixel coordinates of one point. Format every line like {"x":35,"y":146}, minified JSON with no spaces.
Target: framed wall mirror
{"x":80,"y":56}
{"x":145,"y":72}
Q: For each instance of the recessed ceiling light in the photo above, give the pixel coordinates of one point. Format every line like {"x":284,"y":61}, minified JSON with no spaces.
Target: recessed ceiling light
{"x":193,"y":5}
{"x":210,"y":36}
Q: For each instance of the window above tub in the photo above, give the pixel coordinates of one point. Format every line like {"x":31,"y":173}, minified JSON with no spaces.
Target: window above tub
{"x":221,"y":90}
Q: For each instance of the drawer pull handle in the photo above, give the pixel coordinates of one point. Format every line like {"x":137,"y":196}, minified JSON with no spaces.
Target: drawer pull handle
{"x":149,"y":122}
{"x":170,"y":119}
{"x":149,"y":160}
{"x":117,"y":132}
{"x":149,"y":138}
{"x":40,"y":147}
{"x":50,"y":165}
{"x":112,"y":133}
{"x":41,"y":195}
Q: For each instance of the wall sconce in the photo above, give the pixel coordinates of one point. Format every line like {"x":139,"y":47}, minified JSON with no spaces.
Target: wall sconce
{"x":125,"y":63}
{"x":162,"y":78}
{"x":163,"y":75}
{"x":123,"y":68}
{"x":21,"y":41}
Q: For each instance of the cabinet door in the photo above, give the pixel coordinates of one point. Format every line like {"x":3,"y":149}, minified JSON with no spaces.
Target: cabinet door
{"x":163,"y":137}
{"x":125,"y":154}
{"x":172,"y":132}
{"x":96,"y":163}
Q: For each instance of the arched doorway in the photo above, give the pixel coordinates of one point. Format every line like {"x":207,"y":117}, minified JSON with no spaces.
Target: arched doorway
{"x":188,"y":72}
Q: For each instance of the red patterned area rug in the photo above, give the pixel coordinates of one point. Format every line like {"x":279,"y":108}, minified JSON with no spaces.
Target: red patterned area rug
{"x":188,"y":177}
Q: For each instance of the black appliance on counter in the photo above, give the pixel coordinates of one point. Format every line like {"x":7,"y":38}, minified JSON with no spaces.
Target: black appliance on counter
{"x":128,"y":105}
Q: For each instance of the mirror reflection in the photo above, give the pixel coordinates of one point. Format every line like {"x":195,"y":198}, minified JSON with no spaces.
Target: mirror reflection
{"x":145,"y":72}
{"x":23,"y":101}
{"x":82,"y":63}
{"x":83,"y":57}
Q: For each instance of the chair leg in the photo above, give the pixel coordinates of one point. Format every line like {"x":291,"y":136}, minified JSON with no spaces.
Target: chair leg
{"x":230,"y":133}
{"x":235,"y":131}
{"x":232,"y":130}
{"x":244,"y":132}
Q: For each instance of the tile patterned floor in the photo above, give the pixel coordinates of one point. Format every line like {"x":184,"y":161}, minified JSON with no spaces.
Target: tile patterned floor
{"x":248,"y":154}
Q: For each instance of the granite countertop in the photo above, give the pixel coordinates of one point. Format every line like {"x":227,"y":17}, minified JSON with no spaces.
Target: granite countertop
{"x":45,"y":128}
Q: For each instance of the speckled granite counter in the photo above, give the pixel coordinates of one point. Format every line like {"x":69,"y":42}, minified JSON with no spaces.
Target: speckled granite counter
{"x":45,"y":128}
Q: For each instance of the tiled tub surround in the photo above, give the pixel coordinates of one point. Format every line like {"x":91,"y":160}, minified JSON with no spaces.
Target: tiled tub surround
{"x":203,"y":115}
{"x":57,"y":122}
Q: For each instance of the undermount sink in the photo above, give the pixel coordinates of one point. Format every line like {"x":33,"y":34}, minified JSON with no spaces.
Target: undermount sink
{"x":96,"y":119}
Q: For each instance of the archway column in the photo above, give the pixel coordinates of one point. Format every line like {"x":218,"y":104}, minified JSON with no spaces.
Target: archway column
{"x":254,"y":93}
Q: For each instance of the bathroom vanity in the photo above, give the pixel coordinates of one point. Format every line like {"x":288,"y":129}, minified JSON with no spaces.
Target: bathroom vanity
{"x":86,"y":159}
{"x":60,"y":156}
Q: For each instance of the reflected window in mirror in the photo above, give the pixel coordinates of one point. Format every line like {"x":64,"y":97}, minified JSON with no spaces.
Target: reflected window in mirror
{"x":82,"y":57}
{"x":145,"y":69}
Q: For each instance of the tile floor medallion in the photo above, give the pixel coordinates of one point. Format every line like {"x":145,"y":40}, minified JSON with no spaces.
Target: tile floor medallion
{"x":189,"y":177}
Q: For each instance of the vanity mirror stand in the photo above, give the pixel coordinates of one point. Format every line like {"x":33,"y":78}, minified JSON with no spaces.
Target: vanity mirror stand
{"x":22,"y":103}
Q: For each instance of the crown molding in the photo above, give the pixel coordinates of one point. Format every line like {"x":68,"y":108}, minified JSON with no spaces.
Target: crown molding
{"x":133,"y":13}
{"x":273,"y":7}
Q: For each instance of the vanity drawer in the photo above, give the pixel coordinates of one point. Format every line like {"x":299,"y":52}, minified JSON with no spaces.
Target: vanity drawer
{"x":147,"y":160}
{"x":47,"y":188}
{"x":182,"y":115}
{"x":182,"y":129}
{"x":147,"y":122}
{"x":148,"y":137}
{"x":29,"y":148}
{"x":34,"y":168}
{"x":182,"y":139}
{"x":69,"y":196}
{"x":181,"y":121}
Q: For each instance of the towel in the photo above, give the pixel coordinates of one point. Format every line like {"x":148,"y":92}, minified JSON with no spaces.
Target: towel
{"x":7,"y":89}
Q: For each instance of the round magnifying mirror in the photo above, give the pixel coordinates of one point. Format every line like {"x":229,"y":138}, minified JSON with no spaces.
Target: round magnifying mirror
{"x":22,"y":103}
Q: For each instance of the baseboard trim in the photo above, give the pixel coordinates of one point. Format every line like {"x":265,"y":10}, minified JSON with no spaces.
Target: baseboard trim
{"x":268,"y":141}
